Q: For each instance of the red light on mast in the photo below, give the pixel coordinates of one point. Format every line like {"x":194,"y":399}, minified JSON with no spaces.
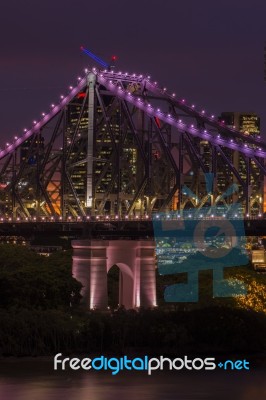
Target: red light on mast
{"x":81,"y":95}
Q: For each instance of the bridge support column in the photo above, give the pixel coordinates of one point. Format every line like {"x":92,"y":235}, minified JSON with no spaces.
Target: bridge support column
{"x":147,"y":274}
{"x":80,"y":268}
{"x":98,"y":276}
{"x":91,"y":81}
{"x":89,"y":268}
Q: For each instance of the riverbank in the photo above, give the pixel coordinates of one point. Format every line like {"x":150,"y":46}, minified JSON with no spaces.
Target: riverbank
{"x":211,"y":330}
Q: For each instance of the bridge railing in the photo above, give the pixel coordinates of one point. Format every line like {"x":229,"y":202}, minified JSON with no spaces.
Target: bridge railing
{"x":116,"y":218}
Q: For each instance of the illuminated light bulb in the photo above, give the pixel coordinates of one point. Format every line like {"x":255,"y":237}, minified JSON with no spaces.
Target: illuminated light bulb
{"x":126,"y":216}
{"x":183,"y":100}
{"x":158,"y":109}
{"x":43,"y":114}
{"x":15,"y":137}
{"x":70,"y":87}
{"x":192,"y":106}
{"x":173,"y":94}
{"x":35,"y":122}
{"x":52,"y":105}
{"x":203,"y":111}
{"x":212,"y":116}
{"x":25,"y":130}
{"x":79,"y":78}
{"x":61,"y":97}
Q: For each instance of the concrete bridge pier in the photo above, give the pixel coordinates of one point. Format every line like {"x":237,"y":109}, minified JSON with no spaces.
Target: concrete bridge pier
{"x":92,"y":259}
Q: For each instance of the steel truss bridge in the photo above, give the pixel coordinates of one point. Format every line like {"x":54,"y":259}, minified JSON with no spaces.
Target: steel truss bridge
{"x":119,"y":146}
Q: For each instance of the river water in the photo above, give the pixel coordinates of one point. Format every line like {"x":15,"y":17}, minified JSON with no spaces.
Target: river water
{"x":36,"y":380}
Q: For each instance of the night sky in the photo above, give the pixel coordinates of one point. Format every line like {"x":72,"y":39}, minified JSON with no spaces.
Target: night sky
{"x":209,"y":52}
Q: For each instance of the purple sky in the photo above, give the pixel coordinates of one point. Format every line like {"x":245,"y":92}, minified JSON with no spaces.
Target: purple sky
{"x":210,"y":52}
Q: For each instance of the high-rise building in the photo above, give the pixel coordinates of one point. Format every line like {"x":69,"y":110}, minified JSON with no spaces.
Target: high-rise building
{"x":31,"y":149}
{"x":249,"y":124}
{"x":245,"y":122}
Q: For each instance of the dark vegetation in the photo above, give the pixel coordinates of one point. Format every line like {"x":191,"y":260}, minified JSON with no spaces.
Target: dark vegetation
{"x":40,"y":315}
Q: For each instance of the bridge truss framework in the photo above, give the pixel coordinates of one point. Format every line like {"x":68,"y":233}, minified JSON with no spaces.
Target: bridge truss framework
{"x":120,"y":145}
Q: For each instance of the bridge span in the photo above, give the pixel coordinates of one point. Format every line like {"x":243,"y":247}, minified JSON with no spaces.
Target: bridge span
{"x":101,"y":229}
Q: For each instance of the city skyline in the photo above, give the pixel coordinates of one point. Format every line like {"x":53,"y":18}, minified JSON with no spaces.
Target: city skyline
{"x":224,"y":41}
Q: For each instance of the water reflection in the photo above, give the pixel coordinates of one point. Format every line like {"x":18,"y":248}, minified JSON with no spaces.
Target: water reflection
{"x":36,"y":380}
